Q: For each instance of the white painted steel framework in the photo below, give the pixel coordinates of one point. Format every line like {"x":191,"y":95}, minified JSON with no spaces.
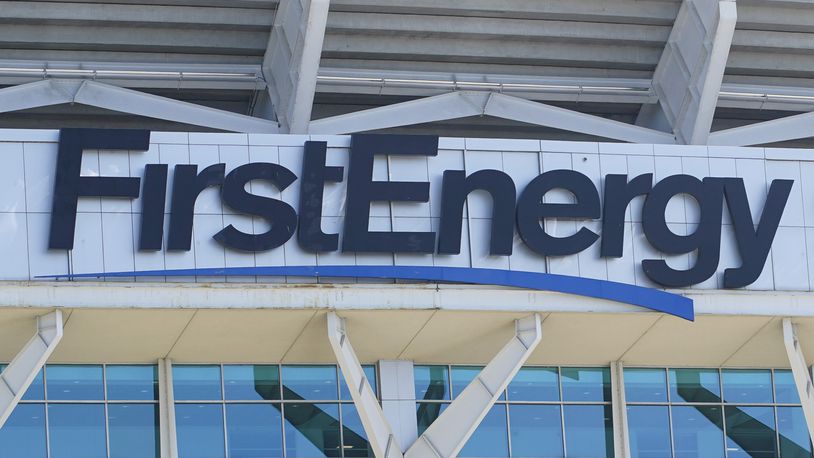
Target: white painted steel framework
{"x":382,"y":440}
{"x":621,"y":438}
{"x":799,"y":369}
{"x":688,"y":77}
{"x":166,"y":410}
{"x":23,"y":369}
{"x":291,"y":62}
{"x":448,"y":434}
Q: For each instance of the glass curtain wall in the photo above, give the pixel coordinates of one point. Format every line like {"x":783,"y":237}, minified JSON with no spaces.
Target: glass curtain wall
{"x":714,"y":413}
{"x":88,"y":411}
{"x":547,"y":412}
{"x":254,"y":411}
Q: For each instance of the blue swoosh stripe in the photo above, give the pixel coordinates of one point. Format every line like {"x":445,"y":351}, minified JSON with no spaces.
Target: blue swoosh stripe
{"x":654,"y":299}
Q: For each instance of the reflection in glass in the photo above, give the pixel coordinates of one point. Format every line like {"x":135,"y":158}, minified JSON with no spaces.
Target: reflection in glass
{"x":536,"y":430}
{"x":750,"y":432}
{"x":309,"y":383}
{"x":36,"y":391}
{"x":133,"y":430}
{"x":694,"y":385}
{"x":747,"y":385}
{"x":370,"y":373}
{"x":784,"y":389}
{"x":535,"y":384}
{"x":698,"y":432}
{"x":431,"y":382}
{"x":588,"y":431}
{"x":132,"y":383}
{"x":649,"y":431}
{"x":311,"y":430}
{"x":490,"y":438}
{"x":200,"y":430}
{"x":585,"y":384}
{"x":427,"y":412}
{"x":254,"y":430}
{"x":196,"y":383}
{"x":645,"y":385}
{"x":77,"y":430}
{"x":251,"y":382}
{"x":794,"y":441}
{"x":354,"y":439}
{"x":75,"y":382}
{"x":23,"y":435}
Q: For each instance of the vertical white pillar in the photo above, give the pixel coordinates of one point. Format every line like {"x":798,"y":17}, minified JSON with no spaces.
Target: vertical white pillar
{"x":397,"y":385}
{"x":621,"y":438}
{"x":166,"y":410}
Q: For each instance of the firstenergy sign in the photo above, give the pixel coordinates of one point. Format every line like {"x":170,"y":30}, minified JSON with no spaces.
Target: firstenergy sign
{"x":521,"y":210}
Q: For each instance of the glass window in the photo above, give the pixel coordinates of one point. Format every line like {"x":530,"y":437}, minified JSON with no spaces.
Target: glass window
{"x":76,"y":429}
{"x":536,"y":430}
{"x":490,"y":438}
{"x":694,"y":385}
{"x":461,"y":376}
{"x":36,"y":391}
{"x":254,"y":430}
{"x":750,"y":432}
{"x":317,"y":383}
{"x":199,"y":428}
{"x":535,"y":384}
{"x":132,"y":383}
{"x":370,"y":373}
{"x":698,"y":432}
{"x":794,"y":441}
{"x":354,"y":439}
{"x":311,"y":430}
{"x":747,"y":386}
{"x":588,"y":430}
{"x":251,"y":382}
{"x":75,"y":382}
{"x":784,"y":388}
{"x":23,"y":434}
{"x":585,"y":384}
{"x":427,"y":412}
{"x":431,"y":382}
{"x":133,"y":430}
{"x":196,"y":383}
{"x":645,"y":385}
{"x":649,"y":431}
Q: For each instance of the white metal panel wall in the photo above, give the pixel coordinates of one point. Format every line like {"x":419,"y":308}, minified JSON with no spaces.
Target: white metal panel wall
{"x":107,"y":229}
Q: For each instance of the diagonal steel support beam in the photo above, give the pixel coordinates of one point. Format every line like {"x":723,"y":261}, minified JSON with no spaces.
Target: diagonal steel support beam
{"x":379,"y":434}
{"x":18,"y":375}
{"x":448,"y":434}
{"x":38,"y":94}
{"x":517,"y":109}
{"x":799,"y":369}
{"x":776,"y":130}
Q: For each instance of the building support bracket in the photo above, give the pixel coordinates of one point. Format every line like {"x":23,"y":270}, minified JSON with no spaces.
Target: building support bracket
{"x":799,"y":369}
{"x":448,"y":434}
{"x":621,"y":439}
{"x":166,"y":410}
{"x":381,"y":437}
{"x":18,"y":375}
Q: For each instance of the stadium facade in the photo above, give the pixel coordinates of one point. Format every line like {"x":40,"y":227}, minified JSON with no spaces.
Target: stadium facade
{"x":304,"y":228}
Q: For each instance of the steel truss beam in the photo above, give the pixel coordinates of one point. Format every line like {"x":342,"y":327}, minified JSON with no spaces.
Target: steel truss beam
{"x":291,"y":62}
{"x":22,"y":370}
{"x":93,"y":93}
{"x":776,"y":130}
{"x":461,"y":104}
{"x":688,"y":76}
{"x":799,"y":369}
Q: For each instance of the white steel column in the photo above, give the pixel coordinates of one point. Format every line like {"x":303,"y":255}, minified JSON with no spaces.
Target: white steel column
{"x":447,"y":435}
{"x":291,"y":62}
{"x":397,"y":388}
{"x":381,"y":438}
{"x":22,"y":370}
{"x":621,"y":438}
{"x":802,"y":378}
{"x":166,"y":410}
